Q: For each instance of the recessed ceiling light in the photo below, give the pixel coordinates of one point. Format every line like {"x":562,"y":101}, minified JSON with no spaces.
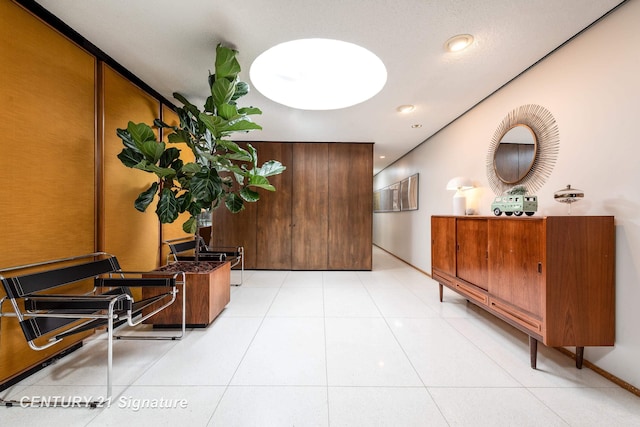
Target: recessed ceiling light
{"x":406,"y":108}
{"x":458,"y":43}
{"x":318,"y":74}
{"x":416,"y":126}
{"x":383,"y":157}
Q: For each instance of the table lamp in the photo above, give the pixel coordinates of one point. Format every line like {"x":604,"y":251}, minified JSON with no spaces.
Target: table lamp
{"x":460,"y":184}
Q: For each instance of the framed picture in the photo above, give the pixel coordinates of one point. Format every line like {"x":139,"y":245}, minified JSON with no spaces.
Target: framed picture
{"x":387,"y":199}
{"x":401,"y":196}
{"x":409,"y":193}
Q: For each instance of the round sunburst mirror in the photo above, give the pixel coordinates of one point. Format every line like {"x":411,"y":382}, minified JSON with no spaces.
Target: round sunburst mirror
{"x":523,"y":150}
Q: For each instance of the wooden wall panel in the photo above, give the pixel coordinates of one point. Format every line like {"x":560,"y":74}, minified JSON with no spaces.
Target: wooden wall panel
{"x":350,"y":206}
{"x":47,"y":198}
{"x":273,"y":235}
{"x":131,"y":235}
{"x":173,"y":230}
{"x":310,"y":208}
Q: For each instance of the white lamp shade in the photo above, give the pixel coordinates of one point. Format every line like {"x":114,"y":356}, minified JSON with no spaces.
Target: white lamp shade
{"x":459,"y":183}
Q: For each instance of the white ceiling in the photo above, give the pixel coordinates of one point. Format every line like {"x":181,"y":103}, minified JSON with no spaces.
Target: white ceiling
{"x":170,"y":45}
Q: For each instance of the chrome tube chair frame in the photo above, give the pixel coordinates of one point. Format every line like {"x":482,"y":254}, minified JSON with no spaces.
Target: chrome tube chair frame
{"x":183,"y":249}
{"x":53,"y":317}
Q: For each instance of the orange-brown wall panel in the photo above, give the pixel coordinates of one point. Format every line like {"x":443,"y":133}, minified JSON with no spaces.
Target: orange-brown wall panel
{"x":130,"y":235}
{"x":174,"y":230}
{"x":47,"y":137}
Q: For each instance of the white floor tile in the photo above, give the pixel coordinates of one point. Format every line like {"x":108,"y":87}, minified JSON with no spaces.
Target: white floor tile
{"x":509,"y":348}
{"x":161,"y":406}
{"x":592,"y":407}
{"x":340,"y":279}
{"x":445,"y":358}
{"x":298,"y":302}
{"x":399,"y":302}
{"x":493,"y":407}
{"x":208,"y":356}
{"x":349,"y":301}
{"x":363,"y":352}
{"x":250,"y":302}
{"x":243,"y":406}
{"x":383,"y":406}
{"x":285,"y":351}
{"x":303,"y":279}
{"x":266,"y":279}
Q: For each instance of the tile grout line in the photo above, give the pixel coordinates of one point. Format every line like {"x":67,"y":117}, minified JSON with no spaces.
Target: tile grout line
{"x":235,"y":371}
{"x":326,"y":357}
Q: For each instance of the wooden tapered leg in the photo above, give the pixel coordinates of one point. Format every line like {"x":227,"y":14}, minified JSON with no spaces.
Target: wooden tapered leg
{"x":579,"y":357}
{"x":441,"y":288}
{"x":533,"y":351}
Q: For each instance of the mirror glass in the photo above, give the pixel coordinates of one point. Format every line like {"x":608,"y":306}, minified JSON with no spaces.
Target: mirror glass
{"x":515,"y":154}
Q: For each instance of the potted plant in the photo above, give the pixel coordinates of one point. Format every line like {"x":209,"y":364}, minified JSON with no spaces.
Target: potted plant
{"x":222,"y":173}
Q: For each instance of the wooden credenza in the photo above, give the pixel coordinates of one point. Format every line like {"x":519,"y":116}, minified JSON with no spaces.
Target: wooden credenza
{"x":551,"y":277}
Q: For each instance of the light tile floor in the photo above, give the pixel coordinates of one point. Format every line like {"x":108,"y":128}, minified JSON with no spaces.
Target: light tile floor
{"x":332,"y":349}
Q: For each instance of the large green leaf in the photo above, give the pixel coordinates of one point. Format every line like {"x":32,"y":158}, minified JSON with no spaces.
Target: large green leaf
{"x":241,"y":125}
{"x":168,"y":207}
{"x":249,"y":195}
{"x":272,"y":167}
{"x":130,"y":157}
{"x":152,"y":150}
{"x":212,"y":122}
{"x":140,"y":132}
{"x":227,"y":66}
{"x":190,"y":226}
{"x":249,"y":111}
{"x":126,"y":138}
{"x":146,"y":197}
{"x":228,"y":111}
{"x":222,"y":91}
{"x":188,"y":106}
{"x":179,"y":135}
{"x":191,"y":168}
{"x":234,"y":203}
{"x":260,"y":182}
{"x":241,"y":89}
{"x":206,"y":186}
{"x":169,"y":156}
{"x":147,"y":166}
{"x":209,"y":106}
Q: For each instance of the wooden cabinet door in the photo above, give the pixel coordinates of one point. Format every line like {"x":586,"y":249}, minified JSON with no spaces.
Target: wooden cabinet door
{"x":443,"y":244}
{"x":471,"y":258}
{"x":238,"y":229}
{"x":350,"y":206}
{"x":310,"y":209}
{"x":515,"y":262}
{"x":273,"y":232}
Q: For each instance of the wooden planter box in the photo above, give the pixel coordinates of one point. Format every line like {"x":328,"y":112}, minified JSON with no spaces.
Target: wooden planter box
{"x":208,"y":292}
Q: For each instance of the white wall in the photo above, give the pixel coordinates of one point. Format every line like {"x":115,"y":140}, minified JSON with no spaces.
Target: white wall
{"x":592,"y":87}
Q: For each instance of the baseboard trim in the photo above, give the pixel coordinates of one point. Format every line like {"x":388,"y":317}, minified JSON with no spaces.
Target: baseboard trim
{"x":618,"y":381}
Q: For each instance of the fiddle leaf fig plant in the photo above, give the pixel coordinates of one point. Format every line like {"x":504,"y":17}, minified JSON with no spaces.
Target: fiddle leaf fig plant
{"x":223,"y":172}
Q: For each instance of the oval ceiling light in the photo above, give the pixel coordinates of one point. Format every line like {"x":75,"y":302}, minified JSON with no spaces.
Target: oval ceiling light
{"x":458,"y":43}
{"x":318,"y":74}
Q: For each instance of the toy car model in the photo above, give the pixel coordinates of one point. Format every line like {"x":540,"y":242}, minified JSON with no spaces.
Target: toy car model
{"x":514,"y":204}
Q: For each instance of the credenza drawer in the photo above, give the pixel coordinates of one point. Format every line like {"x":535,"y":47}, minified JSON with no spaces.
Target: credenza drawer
{"x":520,"y":318}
